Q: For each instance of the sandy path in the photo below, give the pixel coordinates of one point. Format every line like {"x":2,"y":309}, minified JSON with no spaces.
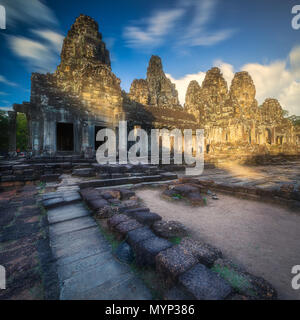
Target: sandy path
{"x":261,"y":236}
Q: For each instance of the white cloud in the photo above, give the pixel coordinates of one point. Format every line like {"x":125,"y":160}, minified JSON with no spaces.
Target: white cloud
{"x":7,"y":82}
{"x":295,"y":62}
{"x":27,"y":48}
{"x":289,"y":98}
{"x":5,"y":108}
{"x":40,"y":55}
{"x":29,"y":11}
{"x":155,"y":28}
{"x":196,"y":33}
{"x":269,"y":79}
{"x":163,"y":25}
{"x":183,"y":83}
{"x":40,"y":51}
{"x":54,"y":38}
{"x":210,"y":39}
{"x":279,"y":80}
{"x":226,"y":69}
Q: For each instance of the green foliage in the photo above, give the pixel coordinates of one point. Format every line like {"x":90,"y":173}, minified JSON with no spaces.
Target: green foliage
{"x":22,"y":132}
{"x":3,"y":131}
{"x":295,"y":120}
{"x":285,"y":113}
{"x":177,"y":196}
{"x":109,"y":237}
{"x":236,"y":280}
{"x":151,"y":279}
{"x":175,"y":240}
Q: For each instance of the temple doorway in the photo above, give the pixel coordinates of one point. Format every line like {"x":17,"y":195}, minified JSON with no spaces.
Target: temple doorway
{"x":65,"y":136}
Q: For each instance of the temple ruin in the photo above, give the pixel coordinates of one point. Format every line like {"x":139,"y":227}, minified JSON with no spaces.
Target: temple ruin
{"x":83,"y":95}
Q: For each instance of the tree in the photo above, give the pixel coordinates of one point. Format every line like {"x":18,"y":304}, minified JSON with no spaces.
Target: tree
{"x":285,"y":113}
{"x":295,"y":120}
{"x":22,"y":132}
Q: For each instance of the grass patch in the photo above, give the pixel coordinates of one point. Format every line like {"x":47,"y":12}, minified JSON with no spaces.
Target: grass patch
{"x":177,"y":196}
{"x":151,"y":279}
{"x":148,"y":275}
{"x":41,"y":185}
{"x":236,"y":280}
{"x":108,"y":235}
{"x":175,"y":240}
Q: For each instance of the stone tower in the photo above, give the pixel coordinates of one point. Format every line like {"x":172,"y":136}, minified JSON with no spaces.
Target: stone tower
{"x":157,"y":90}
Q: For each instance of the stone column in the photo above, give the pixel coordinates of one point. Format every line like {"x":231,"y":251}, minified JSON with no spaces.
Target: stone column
{"x":37,"y":136}
{"x":91,"y":131}
{"x":85,"y":136}
{"x":77,"y":136}
{"x":86,"y":147}
{"x":49,"y":136}
{"x":29,"y":126}
{"x":12,"y":116}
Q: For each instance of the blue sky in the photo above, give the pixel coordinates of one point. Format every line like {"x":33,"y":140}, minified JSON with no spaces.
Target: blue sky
{"x":190,"y":36}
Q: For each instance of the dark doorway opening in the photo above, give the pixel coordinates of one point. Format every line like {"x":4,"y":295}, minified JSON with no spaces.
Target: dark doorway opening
{"x":207,"y":148}
{"x":98,"y":143}
{"x":65,"y":137}
{"x":268,"y":135}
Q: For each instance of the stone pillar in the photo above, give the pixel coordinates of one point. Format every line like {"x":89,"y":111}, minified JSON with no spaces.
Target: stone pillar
{"x":37,"y":136}
{"x":273,"y":136}
{"x":12,"y":116}
{"x":29,"y":126}
{"x":92,"y":136}
{"x":77,"y":136}
{"x":85,"y":137}
{"x":49,"y":138}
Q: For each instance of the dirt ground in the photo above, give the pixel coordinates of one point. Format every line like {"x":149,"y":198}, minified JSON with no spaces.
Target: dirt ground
{"x":263,"y":237}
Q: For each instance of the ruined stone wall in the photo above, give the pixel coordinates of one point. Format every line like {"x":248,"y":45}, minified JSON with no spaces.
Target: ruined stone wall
{"x":83,"y":91}
{"x":154,"y":103}
{"x":157,"y":90}
{"x":234,"y":123}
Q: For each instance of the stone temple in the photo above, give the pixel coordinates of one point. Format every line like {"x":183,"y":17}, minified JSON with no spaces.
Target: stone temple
{"x":83,"y":95}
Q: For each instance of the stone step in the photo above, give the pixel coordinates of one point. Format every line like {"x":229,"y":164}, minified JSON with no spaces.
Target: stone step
{"x":84,"y":172}
{"x":126,"y":180}
{"x":77,"y":256}
{"x":58,"y":229}
{"x":85,"y":264}
{"x":97,"y":260}
{"x":59,"y":199}
{"x":126,"y":287}
{"x":65,"y":213}
{"x":92,"y":278}
{"x":78,"y":245}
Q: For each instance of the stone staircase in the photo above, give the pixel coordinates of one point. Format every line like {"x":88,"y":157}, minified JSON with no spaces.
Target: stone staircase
{"x":86,"y":266}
